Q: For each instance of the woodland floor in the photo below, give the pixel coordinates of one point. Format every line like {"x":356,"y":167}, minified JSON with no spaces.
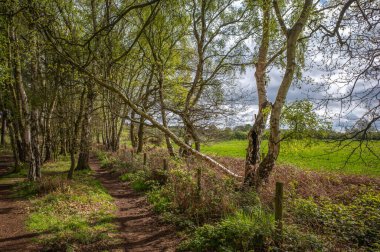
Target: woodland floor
{"x":140,"y":228}
{"x":13,"y":213}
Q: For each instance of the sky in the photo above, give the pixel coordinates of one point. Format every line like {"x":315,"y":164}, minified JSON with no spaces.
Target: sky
{"x":247,"y":83}
{"x":325,"y":65}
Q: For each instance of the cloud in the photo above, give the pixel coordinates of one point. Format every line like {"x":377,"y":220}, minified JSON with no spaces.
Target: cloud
{"x":307,"y":91}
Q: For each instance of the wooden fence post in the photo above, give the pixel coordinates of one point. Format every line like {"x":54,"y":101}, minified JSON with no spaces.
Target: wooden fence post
{"x":199,"y":186}
{"x":278,"y":213}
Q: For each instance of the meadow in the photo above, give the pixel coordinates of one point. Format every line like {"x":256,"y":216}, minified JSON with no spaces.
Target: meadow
{"x":312,"y":155}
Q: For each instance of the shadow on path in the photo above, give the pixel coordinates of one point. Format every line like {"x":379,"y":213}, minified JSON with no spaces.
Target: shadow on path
{"x":13,"y":213}
{"x":140,"y":228}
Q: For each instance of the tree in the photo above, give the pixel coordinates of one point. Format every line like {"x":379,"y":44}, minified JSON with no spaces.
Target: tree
{"x":25,"y":112}
{"x":218,"y":33}
{"x":301,"y":121}
{"x":64,"y":48}
{"x":257,"y":169}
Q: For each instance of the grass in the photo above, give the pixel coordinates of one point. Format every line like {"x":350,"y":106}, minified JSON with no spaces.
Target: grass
{"x":69,"y":215}
{"x":311,"y":155}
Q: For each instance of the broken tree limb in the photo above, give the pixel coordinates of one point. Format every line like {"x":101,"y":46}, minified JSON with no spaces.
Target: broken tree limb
{"x":165,"y":130}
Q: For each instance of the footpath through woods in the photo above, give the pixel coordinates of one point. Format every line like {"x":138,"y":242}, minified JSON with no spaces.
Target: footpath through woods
{"x":13,"y":213}
{"x":140,"y":228}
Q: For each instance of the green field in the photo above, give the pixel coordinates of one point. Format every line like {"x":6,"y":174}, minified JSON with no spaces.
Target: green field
{"x":313,"y":155}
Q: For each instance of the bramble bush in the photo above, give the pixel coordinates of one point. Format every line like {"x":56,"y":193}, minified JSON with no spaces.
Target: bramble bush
{"x":357,"y":222}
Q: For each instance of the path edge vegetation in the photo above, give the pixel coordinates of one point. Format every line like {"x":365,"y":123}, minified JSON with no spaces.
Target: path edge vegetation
{"x":245,"y":220}
{"x":66,"y":214}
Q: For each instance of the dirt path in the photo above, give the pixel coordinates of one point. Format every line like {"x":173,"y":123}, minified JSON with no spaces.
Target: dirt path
{"x":13,"y":212}
{"x":140,"y":228}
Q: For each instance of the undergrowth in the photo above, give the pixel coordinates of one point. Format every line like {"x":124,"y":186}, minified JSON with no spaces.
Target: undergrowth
{"x":356,"y":223}
{"x":213,"y":213}
{"x":241,"y":231}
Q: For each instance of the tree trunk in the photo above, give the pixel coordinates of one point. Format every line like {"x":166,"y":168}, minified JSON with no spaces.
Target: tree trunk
{"x":97,"y":137}
{"x":25,"y":111}
{"x":74,"y":136}
{"x":253,"y":158}
{"x":119,"y":133}
{"x":15,"y":110}
{"x":169,"y":145}
{"x":85,"y":145}
{"x":36,"y":157}
{"x":72,"y":164}
{"x":140,"y":135}
{"x":132,"y":131}
{"x":48,"y":140}
{"x":62,"y":141}
{"x":3,"y":127}
{"x":183,"y":152}
{"x":191,"y":134}
{"x":35,"y":167}
{"x":12,"y":138}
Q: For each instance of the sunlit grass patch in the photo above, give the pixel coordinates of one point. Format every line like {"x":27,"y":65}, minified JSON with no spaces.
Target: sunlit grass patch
{"x":313,"y":155}
{"x":61,"y":165}
{"x":74,"y":214}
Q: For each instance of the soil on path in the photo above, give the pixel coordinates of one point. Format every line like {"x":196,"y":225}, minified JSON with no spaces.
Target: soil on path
{"x":140,"y":228}
{"x":13,"y":213}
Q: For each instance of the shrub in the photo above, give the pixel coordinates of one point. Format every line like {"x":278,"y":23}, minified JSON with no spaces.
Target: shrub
{"x":176,"y":191}
{"x":126,"y":177}
{"x":215,"y":198}
{"x":357,"y":222}
{"x":161,"y":203}
{"x":240,"y":135}
{"x":139,"y":181}
{"x":296,"y":240}
{"x":247,"y":199}
{"x":242,"y":231}
{"x":140,"y":185}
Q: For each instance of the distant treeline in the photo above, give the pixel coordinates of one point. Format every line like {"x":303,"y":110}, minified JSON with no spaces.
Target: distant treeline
{"x":240,"y":133}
